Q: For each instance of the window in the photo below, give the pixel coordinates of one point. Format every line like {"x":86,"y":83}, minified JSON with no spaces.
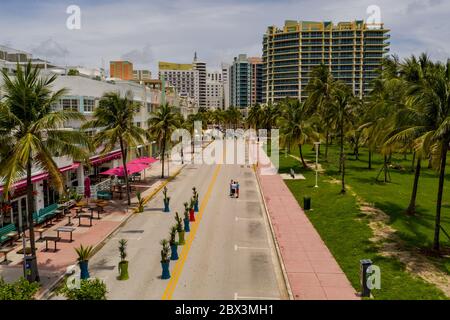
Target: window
{"x":89,"y":105}
{"x":70,"y":104}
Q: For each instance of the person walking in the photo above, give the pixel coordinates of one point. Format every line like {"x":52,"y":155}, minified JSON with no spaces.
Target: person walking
{"x":231,"y":188}
{"x":237,"y":189}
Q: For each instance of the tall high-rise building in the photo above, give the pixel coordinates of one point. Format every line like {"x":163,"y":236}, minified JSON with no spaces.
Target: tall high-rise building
{"x":256,"y":74}
{"x":121,"y":70}
{"x":183,"y":77}
{"x":353,"y":51}
{"x":201,"y":68}
{"x":214,"y":90}
{"x":245,"y":81}
{"x":226,"y":85}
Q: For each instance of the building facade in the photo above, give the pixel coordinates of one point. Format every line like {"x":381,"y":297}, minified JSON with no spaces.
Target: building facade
{"x":245,"y":81}
{"x":183,"y":77}
{"x":121,"y":70}
{"x":201,"y":68}
{"x":225,"y":67}
{"x":353,"y":51}
{"x":142,"y":75}
{"x":214,"y":90}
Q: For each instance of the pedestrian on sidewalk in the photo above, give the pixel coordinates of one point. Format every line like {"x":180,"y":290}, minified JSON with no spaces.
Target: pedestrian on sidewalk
{"x":231,"y":187}
{"x":237,"y":189}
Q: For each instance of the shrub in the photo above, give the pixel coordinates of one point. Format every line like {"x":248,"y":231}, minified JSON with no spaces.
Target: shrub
{"x":19,"y":290}
{"x":91,"y":289}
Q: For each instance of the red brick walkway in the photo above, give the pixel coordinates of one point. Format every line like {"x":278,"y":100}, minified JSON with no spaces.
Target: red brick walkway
{"x":312,"y":271}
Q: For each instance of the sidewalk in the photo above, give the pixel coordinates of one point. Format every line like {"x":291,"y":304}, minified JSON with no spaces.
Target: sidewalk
{"x":311,"y":269}
{"x":52,"y":265}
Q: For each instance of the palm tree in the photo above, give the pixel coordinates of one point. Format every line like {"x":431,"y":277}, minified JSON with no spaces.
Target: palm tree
{"x":233,"y":117}
{"x":344,"y":115}
{"x":431,"y":96}
{"x":114,"y":116}
{"x":31,"y":133}
{"x":410,"y":125}
{"x":320,"y":89}
{"x":270,"y":114}
{"x":161,"y":125}
{"x":254,"y":117}
{"x":294,"y":125}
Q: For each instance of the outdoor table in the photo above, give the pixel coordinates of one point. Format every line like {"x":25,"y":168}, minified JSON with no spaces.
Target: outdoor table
{"x":49,"y":238}
{"x":69,"y":220}
{"x":40,"y":231}
{"x":65,"y":229}
{"x":59,"y":213}
{"x":98,"y":209}
{"x":84,"y":216}
{"x":5,"y":252}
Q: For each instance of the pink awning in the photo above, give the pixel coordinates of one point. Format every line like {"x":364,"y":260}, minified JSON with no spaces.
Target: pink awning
{"x":42,"y":176}
{"x":102,"y":159}
{"x":144,"y":160}
{"x":131,"y":168}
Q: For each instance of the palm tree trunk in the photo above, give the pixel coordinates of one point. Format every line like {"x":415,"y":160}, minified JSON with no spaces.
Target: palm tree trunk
{"x":125,"y":171}
{"x":163,"y":155}
{"x":370,"y":159}
{"x":343,"y":174}
{"x":385,"y":168}
{"x":30,"y":219}
{"x":413,"y":161}
{"x":327,"y":137}
{"x":437,"y":226}
{"x":301,"y":156}
{"x":411,"y":210}
{"x":341,"y":148}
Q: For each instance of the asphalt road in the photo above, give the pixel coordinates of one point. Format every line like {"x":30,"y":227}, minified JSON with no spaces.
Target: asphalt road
{"x":229,"y":253}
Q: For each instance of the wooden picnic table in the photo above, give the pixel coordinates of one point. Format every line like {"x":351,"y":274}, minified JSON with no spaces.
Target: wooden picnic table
{"x":99,"y":210}
{"x":67,"y":230}
{"x":89,"y":216}
{"x":5,"y":251}
{"x":40,"y":231}
{"x":51,"y":238}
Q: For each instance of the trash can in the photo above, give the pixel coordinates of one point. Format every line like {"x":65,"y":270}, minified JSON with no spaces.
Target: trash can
{"x":307,"y":203}
{"x":30,"y":268}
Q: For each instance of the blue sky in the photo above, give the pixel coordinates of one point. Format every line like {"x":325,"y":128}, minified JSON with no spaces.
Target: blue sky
{"x":146,"y":31}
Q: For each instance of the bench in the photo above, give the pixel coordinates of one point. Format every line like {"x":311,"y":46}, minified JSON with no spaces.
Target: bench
{"x":105,"y":195}
{"x":45,"y":214}
{"x":7,"y":233}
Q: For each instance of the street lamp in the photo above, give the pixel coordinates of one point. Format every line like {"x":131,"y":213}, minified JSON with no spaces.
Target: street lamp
{"x":317,"y":144}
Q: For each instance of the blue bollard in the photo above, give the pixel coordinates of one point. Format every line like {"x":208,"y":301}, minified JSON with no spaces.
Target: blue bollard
{"x":196,"y":206}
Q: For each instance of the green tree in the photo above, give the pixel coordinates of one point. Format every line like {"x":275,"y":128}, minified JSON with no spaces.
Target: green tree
{"x":161,"y":125}
{"x":295,"y":125}
{"x":31,"y":133}
{"x":320,"y":90}
{"x":114,"y":117}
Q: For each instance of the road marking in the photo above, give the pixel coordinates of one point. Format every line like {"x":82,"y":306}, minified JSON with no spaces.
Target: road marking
{"x":249,"y":219}
{"x":170,"y":289}
{"x":126,"y":238}
{"x":236,"y":247}
{"x":236,"y":297}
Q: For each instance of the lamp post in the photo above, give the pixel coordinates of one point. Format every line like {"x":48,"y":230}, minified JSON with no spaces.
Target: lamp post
{"x":317,"y":144}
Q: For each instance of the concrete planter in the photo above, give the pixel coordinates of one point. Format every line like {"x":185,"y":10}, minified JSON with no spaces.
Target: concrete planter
{"x":173,"y":252}
{"x":196,"y":206}
{"x":191,"y":215}
{"x":166,"y":205}
{"x":84,"y":267}
{"x":123,"y":270}
{"x":165,"y":270}
{"x":187,"y":227}
{"x":181,"y":238}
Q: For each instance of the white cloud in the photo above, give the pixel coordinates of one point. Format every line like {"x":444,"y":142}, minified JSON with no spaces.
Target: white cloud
{"x":148,"y":31}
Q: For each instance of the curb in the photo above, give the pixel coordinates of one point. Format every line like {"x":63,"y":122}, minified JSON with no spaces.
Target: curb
{"x":47,"y":292}
{"x":275,"y":241}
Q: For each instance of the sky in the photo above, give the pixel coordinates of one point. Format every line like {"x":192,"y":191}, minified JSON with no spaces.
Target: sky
{"x":148,"y":31}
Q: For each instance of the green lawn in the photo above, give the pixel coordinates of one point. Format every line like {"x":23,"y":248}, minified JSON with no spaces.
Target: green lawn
{"x":346,"y":231}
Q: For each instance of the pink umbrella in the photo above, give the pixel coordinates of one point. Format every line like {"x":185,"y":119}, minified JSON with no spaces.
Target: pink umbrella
{"x":144,"y":160}
{"x":87,"y":187}
{"x":131,"y":168}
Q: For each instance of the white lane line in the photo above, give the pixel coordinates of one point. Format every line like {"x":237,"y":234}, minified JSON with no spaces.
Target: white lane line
{"x":236,"y":247}
{"x":249,"y":219}
{"x":120,"y":238}
{"x":237,"y":297}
